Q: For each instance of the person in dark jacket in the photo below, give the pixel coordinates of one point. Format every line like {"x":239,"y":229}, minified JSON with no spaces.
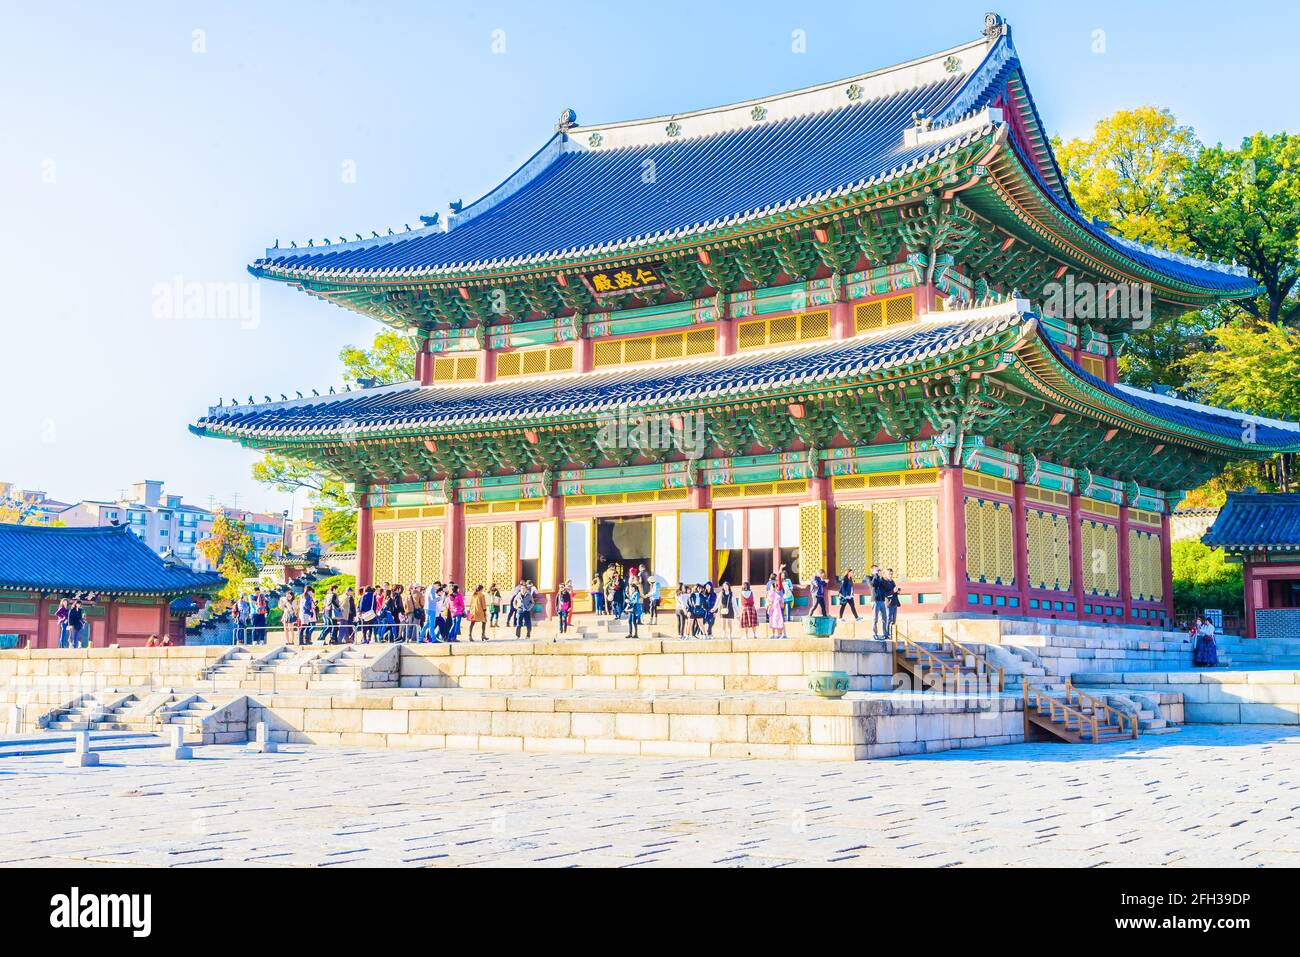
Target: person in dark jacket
{"x":846,"y":595}
{"x":879,"y":596}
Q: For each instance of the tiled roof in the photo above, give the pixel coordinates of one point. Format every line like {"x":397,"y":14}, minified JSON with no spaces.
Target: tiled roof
{"x":108,"y":559}
{"x":612,"y":188}
{"x":1207,"y":419}
{"x":409,"y":404}
{"x":1257,"y":520}
{"x":412,"y":406}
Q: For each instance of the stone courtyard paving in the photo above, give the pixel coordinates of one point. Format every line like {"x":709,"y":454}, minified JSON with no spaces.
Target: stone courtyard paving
{"x":1212,"y":796}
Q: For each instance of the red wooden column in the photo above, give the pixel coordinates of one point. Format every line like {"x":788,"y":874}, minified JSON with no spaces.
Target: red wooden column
{"x":1122,"y":552}
{"x":424,"y":363}
{"x":582,"y":355}
{"x":487,"y":365}
{"x":365,"y":546}
{"x":1076,"y":555}
{"x":554,"y":508}
{"x":952,"y":538}
{"x":842,"y":320}
{"x":453,"y":558}
{"x":1020,"y":544}
{"x":726,"y":336}
{"x":1167,"y":574}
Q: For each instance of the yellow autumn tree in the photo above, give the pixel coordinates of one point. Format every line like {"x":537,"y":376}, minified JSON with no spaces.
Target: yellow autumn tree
{"x":1128,"y":172}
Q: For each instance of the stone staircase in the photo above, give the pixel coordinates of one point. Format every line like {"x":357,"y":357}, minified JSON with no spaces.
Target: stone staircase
{"x":1255,"y":652}
{"x":149,"y":713}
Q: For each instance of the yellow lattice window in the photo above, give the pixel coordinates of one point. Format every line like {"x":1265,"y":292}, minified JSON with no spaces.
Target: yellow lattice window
{"x":783,"y":330}
{"x":1145,"y":566}
{"x":921,"y":528}
{"x":989,"y":483}
{"x":1100,"y":542}
{"x":1143,"y":517}
{"x":1048,"y":550}
{"x":884,"y":312}
{"x":430,"y":556}
{"x":1093,"y":364}
{"x":535,"y":361}
{"x":406,"y":565}
{"x":1046,"y":496}
{"x":410,"y":511}
{"x":385,"y":550}
{"x":759,"y":489}
{"x":670,"y":345}
{"x":990,"y":553}
{"x":853,"y":537}
{"x":1098,"y":507}
{"x":812,"y":539}
{"x":490,"y":555}
{"x":455,"y":369}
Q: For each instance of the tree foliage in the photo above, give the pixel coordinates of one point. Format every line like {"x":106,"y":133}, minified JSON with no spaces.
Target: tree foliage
{"x":1244,"y":205}
{"x":1128,"y":172}
{"x":390,"y":359}
{"x":1204,"y":579}
{"x":230,"y":550}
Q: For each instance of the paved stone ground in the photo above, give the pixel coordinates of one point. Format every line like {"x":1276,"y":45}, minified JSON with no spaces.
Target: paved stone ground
{"x":1214,"y":796}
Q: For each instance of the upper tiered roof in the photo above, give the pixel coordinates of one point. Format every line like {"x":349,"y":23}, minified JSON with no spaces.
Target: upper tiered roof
{"x":619,"y":189}
{"x":1257,"y":521}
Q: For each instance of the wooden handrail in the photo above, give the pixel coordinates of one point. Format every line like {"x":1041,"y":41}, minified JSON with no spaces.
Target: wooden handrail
{"x":934,"y":662}
{"x":1097,"y":703}
{"x":982,"y":664}
{"x":1067,"y":711}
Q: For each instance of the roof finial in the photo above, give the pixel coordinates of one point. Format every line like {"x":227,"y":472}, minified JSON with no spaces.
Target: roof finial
{"x":993,"y":25}
{"x":567,"y":121}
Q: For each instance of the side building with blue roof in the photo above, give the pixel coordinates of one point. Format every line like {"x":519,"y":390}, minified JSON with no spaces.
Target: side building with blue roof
{"x":125,"y":590}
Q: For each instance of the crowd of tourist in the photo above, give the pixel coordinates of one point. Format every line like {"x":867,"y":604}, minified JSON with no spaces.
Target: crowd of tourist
{"x":445,"y":612}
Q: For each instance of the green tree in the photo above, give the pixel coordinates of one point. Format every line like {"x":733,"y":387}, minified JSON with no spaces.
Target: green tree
{"x":1204,"y":579}
{"x":1129,"y":171}
{"x":1254,"y":367}
{"x":229,"y":549}
{"x":390,"y":359}
{"x":1244,"y":205}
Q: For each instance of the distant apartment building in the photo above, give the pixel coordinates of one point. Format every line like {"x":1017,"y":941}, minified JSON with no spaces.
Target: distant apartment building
{"x":163,"y":522}
{"x":266,"y":528}
{"x":303,"y":533}
{"x":33,"y":506}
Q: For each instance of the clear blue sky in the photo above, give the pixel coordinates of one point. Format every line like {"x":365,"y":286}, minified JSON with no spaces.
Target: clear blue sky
{"x":127,"y":159}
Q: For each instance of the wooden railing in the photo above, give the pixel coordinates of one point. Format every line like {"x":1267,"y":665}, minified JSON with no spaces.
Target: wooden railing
{"x":928,"y":659}
{"x":1097,"y":704}
{"x":1037,"y":698}
{"x":982,"y":668}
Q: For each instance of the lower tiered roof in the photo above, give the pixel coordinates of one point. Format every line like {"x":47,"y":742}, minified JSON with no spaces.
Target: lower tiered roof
{"x":993,"y":366}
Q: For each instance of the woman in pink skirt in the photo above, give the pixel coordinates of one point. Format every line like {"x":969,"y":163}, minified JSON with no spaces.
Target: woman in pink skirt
{"x":775,"y":615}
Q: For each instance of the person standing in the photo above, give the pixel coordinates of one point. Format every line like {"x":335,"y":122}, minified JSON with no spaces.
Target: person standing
{"x":653,"y":599}
{"x":260,"y":610}
{"x":682,"y":601}
{"x":633,"y":609}
{"x":494,"y":607}
{"x":818,"y":592}
{"x":522,"y":606}
{"x":62,"y":617}
{"x":892,"y":601}
{"x":288,"y":617}
{"x":1206,"y":652}
{"x":512,"y":605}
{"x":748,"y":612}
{"x":564,"y":607}
{"x":846,"y":595}
{"x":597,"y":597}
{"x":366,"y":614}
{"x":726,"y":609}
{"x":879,"y":591}
{"x":456,"y":607}
{"x":76,"y":622}
{"x":620,"y":595}
{"x":307,"y":614}
{"x":776,"y":618}
{"x":478,"y":606}
{"x":787,"y":597}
